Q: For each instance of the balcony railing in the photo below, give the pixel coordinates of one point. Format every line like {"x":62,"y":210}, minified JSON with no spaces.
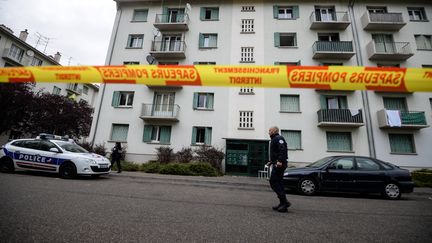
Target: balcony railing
{"x":172,"y":21}
{"x":16,"y":59}
{"x":160,"y":112}
{"x":74,"y":88}
{"x":408,"y":119}
{"x":336,"y":20}
{"x":340,"y":117}
{"x":382,"y":21}
{"x":396,"y":51}
{"x":168,"y":49}
{"x":333,"y":49}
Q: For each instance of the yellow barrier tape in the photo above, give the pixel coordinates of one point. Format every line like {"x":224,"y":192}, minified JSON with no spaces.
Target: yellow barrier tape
{"x":326,"y":78}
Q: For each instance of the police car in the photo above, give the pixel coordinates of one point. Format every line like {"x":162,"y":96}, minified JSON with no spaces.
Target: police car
{"x":54,"y":154}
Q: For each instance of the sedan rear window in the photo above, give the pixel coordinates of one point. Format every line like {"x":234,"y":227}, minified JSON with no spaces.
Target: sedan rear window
{"x":71,"y":147}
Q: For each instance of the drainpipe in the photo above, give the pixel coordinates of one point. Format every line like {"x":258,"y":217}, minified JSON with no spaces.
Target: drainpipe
{"x":365,"y":98}
{"x":109,"y":62}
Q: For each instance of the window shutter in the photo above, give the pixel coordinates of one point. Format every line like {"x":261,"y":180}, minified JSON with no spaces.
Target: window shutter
{"x":276,"y":39}
{"x":195,"y":101}
{"x":295,"y":39}
{"x":215,"y":14}
{"x":323,"y":102}
{"x":202,"y":13}
{"x":116,"y":99}
{"x":165,"y":15}
{"x":296,"y":12}
{"x":208,"y":135}
{"x":194,"y":133}
{"x":275,"y":11}
{"x":210,"y":98}
{"x":165,"y":134}
{"x":147,"y":133}
{"x":201,"y":40}
{"x":343,"y":103}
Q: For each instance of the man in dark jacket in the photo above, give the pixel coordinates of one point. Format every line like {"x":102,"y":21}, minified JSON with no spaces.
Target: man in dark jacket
{"x":116,"y":156}
{"x":279,"y":162}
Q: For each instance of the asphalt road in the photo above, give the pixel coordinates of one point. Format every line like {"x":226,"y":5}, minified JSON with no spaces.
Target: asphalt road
{"x":137,"y":207}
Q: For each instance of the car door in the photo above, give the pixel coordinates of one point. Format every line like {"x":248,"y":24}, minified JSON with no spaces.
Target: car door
{"x":338,"y":175}
{"x":368,"y":176}
{"x":30,"y":156}
{"x":50,"y":160}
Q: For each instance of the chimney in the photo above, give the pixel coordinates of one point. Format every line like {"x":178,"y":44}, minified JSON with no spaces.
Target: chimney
{"x":57,"y":57}
{"x":23,"y":35}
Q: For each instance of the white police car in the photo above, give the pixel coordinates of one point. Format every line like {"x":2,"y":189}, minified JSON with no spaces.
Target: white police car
{"x":51,"y":154}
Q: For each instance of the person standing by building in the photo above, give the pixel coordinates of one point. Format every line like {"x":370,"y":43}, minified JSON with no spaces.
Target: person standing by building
{"x":279,"y":162}
{"x":116,"y":156}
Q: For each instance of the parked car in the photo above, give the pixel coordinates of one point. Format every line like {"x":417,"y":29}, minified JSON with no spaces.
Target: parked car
{"x":52,"y":154}
{"x":350,"y":174}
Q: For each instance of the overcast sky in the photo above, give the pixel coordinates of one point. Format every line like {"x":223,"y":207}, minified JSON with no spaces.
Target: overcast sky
{"x":79,"y":29}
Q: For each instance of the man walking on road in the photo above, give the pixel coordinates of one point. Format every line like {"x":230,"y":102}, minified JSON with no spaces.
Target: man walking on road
{"x":279,"y":162}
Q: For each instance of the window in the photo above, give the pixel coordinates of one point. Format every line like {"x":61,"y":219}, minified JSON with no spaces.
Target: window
{"x":342,"y":164}
{"x":288,"y":63}
{"x":290,"y":103}
{"x":122,"y":99}
{"x":293,"y":139}
{"x":119,"y":132}
{"x":375,"y":9}
{"x":286,"y":12}
{"x":246,"y":119}
{"x":131,"y":63}
{"x":367,"y":164}
{"x":36,"y":62}
{"x":207,"y":40}
{"x":339,"y":141}
{"x":157,"y":134}
{"x":387,"y":65}
{"x":285,"y":39}
{"x":402,"y":143}
{"x":246,"y":90}
{"x":203,"y":101}
{"x":201,"y":135}
{"x":85,"y":89}
{"x":248,"y":9}
{"x":417,"y":14}
{"x":328,"y":36}
{"x":331,"y":64}
{"x":247,"y":26}
{"x":247,"y":54}
{"x":209,"y":13}
{"x":333,"y":102}
{"x":16,"y":53}
{"x":135,"y":41}
{"x":140,"y":15}
{"x":325,"y":14}
{"x":424,"y":42}
{"x":168,"y":63}
{"x":204,"y":63}
{"x":56,"y":90}
{"x":46,"y":145}
{"x":395,"y":103}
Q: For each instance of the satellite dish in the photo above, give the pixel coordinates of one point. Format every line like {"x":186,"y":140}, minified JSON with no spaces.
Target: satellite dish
{"x":188,"y":7}
{"x":156,"y":32}
{"x":30,"y":53}
{"x":150,"y":59}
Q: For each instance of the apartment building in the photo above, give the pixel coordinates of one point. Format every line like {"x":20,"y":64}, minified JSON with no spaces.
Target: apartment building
{"x":316,"y":123}
{"x":15,"y":51}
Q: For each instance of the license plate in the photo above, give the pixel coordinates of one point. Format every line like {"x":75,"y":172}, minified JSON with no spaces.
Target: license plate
{"x":103,"y":166}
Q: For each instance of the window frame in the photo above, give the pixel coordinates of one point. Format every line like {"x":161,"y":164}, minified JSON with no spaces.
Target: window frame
{"x":285,"y":134}
{"x":411,"y":141}
{"x":135,"y":14}
{"x":207,"y":136}
{"x":202,"y":41}
{"x":426,"y":39}
{"x":112,"y":130}
{"x":422,"y":15}
{"x":131,"y":38}
{"x":247,"y":54}
{"x":289,"y":96}
{"x":337,"y":150}
{"x":279,"y":35}
{"x":55,"y":89}
{"x":246,"y":122}
{"x":207,"y":97}
{"x":247,"y":26}
{"x":203,"y":13}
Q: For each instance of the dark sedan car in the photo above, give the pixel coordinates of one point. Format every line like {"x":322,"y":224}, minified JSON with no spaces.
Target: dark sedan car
{"x":350,"y":174}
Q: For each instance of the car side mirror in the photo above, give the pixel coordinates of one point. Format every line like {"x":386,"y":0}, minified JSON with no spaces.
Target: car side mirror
{"x":54,"y":150}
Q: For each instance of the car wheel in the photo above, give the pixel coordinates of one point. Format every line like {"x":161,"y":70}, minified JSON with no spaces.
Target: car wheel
{"x":68,"y":170}
{"x":307,"y":186}
{"x":6,"y":165}
{"x":392,"y":191}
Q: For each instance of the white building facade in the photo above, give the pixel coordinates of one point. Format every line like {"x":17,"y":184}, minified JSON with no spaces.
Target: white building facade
{"x":316,"y":123}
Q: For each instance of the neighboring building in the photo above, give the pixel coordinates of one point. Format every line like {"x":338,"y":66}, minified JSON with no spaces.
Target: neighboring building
{"x":316,"y":123}
{"x":15,"y":51}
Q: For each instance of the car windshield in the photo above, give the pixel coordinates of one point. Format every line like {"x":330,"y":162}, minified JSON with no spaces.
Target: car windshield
{"x":71,"y":147}
{"x":320,"y":162}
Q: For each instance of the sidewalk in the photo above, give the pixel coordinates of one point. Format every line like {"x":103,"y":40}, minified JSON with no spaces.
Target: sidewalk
{"x":227,"y":179}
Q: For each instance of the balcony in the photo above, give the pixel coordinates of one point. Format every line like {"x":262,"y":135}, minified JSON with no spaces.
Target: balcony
{"x":340,"y":118}
{"x":153,"y":112}
{"x":170,"y":22}
{"x":168,"y":49}
{"x":408,"y":119}
{"x":389,"y":51}
{"x":74,"y":89}
{"x":333,"y":50}
{"x":15,"y":59}
{"x":382,"y":21}
{"x":335,"y":21}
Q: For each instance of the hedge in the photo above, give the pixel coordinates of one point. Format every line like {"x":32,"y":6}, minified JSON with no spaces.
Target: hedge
{"x":190,"y":169}
{"x":422,"y":178}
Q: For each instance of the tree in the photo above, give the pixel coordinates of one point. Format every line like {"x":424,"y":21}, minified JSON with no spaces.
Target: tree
{"x":16,"y":100}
